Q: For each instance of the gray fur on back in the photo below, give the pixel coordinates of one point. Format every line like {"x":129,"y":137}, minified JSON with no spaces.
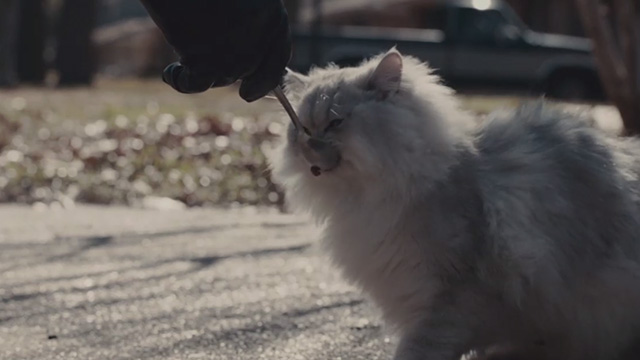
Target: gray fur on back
{"x":561,"y":219}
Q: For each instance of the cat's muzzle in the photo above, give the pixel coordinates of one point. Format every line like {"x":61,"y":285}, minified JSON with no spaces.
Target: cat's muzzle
{"x":321,"y":155}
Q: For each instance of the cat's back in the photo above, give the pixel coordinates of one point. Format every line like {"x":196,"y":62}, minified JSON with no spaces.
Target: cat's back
{"x":554,"y":191}
{"x":538,"y":147}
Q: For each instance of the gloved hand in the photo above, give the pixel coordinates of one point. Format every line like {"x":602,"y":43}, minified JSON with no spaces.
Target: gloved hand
{"x":222,"y":41}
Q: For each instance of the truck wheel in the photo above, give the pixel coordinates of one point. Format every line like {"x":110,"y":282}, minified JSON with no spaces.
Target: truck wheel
{"x":578,"y":86}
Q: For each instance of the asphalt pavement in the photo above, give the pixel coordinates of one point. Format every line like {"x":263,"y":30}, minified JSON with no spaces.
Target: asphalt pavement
{"x":97,"y":282}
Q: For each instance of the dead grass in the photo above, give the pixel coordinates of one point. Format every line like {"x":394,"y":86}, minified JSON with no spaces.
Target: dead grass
{"x":122,"y":141}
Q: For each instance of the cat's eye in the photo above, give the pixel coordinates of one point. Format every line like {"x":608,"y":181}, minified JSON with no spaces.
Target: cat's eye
{"x":306,"y":130}
{"x":334,"y":124}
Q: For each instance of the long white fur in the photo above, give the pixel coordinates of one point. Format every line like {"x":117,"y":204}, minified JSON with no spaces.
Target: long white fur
{"x":520,"y":233}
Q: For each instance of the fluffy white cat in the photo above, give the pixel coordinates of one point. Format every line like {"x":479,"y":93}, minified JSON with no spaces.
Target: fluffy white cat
{"x":520,"y":233}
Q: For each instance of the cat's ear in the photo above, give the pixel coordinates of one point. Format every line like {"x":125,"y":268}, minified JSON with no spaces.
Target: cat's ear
{"x":294,"y":83}
{"x":387,"y":76}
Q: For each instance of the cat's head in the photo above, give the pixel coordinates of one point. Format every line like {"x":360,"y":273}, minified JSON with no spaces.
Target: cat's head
{"x":380,"y":124}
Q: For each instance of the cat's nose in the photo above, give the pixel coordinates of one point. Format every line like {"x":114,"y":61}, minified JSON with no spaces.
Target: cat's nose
{"x":321,"y":154}
{"x":317,"y":145}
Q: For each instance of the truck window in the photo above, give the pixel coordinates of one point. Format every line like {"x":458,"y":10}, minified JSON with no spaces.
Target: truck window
{"x":434,"y":18}
{"x":479,"y":26}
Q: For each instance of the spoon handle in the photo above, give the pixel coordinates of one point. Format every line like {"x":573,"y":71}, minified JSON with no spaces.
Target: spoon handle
{"x":287,"y":106}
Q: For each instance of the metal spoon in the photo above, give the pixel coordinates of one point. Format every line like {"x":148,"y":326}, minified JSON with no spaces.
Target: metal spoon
{"x":287,"y":107}
{"x":315,"y":170}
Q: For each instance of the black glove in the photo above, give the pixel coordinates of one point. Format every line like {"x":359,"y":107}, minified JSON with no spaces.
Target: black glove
{"x":222,"y":41}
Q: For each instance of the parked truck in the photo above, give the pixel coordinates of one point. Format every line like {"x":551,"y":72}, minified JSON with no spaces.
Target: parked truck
{"x":469,"y":43}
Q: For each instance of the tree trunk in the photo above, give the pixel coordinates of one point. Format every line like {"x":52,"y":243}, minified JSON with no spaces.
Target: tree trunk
{"x":616,"y":52}
{"x":75,"y":58}
{"x":31,"y":40}
{"x":9,"y":15}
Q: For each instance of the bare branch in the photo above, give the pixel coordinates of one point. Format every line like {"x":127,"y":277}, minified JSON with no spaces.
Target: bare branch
{"x":617,"y":75}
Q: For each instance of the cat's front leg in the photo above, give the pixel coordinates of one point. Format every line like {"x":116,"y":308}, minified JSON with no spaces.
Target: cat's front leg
{"x":443,"y":336}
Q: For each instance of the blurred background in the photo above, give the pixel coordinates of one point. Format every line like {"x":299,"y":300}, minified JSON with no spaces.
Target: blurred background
{"x":85,"y":118}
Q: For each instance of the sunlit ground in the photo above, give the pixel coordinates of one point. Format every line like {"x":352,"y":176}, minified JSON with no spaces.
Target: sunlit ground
{"x":125,"y":142}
